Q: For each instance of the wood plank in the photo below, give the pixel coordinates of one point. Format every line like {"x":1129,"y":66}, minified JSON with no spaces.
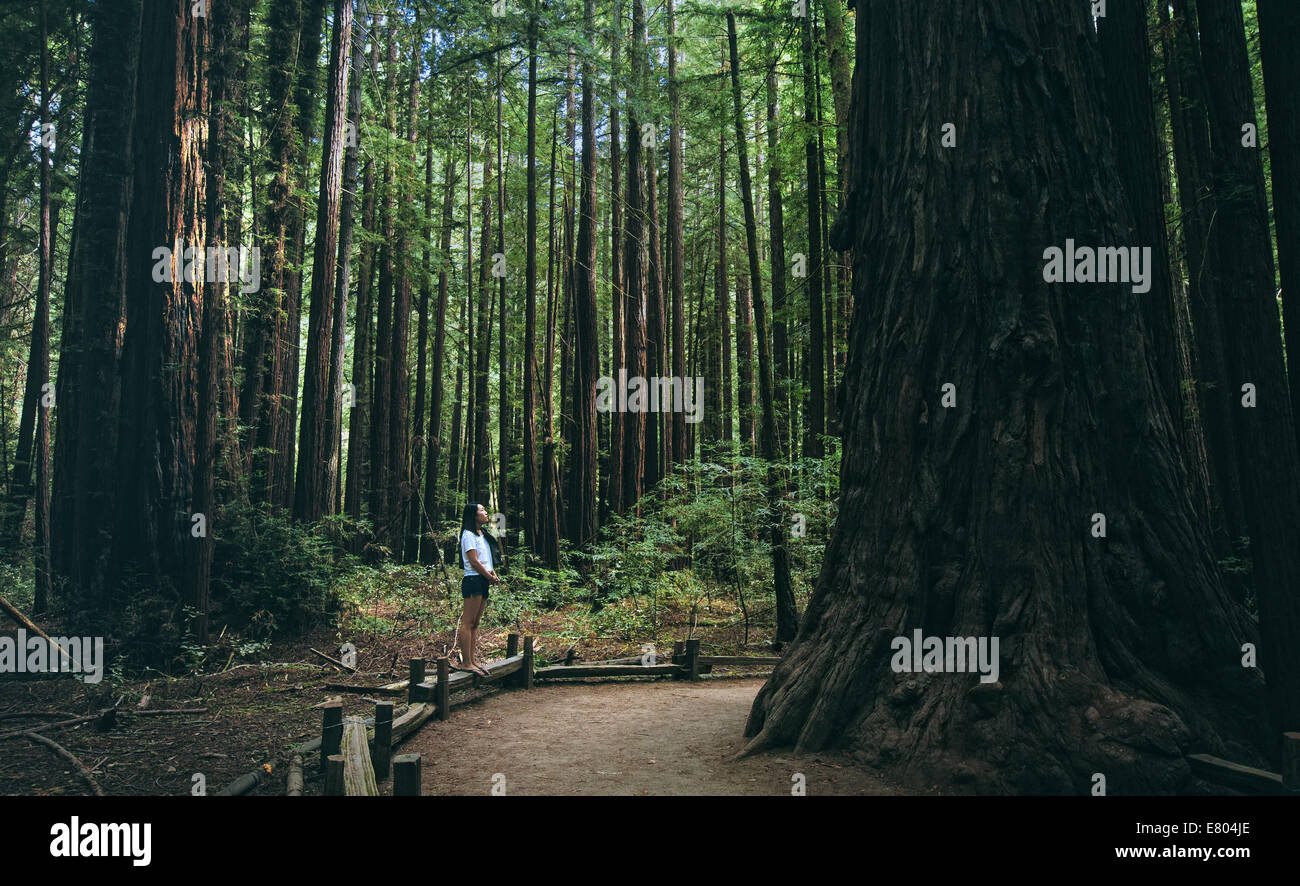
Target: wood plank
{"x":358,"y":772}
{"x":563,"y":671}
{"x":1234,"y":775}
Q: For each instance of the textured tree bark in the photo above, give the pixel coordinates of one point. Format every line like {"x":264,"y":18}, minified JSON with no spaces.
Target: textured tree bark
{"x":343,"y":280}
{"x":317,"y":473}
{"x":105,"y":194}
{"x":156,"y":541}
{"x":1119,"y":654}
{"x":1252,"y":348}
{"x":478,"y":486}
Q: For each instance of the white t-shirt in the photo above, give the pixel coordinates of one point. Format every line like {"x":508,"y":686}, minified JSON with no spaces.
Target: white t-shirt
{"x":468,"y":542}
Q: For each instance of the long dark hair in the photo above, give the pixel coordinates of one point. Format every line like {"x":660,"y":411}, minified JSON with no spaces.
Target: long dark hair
{"x":469,"y":518}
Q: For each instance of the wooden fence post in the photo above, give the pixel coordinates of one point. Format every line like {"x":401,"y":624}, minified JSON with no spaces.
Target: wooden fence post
{"x":406,"y":775}
{"x":526,"y":676}
{"x":444,"y":688}
{"x":334,"y":775}
{"x":512,"y":645}
{"x":383,"y":744}
{"x":331,"y":730}
{"x":1291,"y":761}
{"x":416,"y":678}
{"x":693,"y":659}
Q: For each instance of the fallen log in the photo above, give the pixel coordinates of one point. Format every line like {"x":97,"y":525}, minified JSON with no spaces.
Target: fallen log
{"x":358,"y":773}
{"x":12,"y":612}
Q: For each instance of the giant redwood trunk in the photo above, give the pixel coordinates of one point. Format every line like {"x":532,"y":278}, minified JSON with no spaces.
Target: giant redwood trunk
{"x":1118,"y":654}
{"x":156,"y":536}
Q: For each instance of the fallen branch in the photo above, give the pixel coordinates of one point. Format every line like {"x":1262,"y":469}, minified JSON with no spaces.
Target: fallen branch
{"x":56,"y":725}
{"x":67,"y":755}
{"x":334,"y":661}
{"x":26,"y":622}
{"x":161,"y":711}
{"x":19,"y":714}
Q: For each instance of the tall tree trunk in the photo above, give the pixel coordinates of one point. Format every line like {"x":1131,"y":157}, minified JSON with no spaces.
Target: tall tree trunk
{"x":381,"y":415}
{"x":787,"y":616}
{"x":1252,"y":348}
{"x":657,"y":427}
{"x":779,"y":269}
{"x":974,"y":520}
{"x":722,"y":295}
{"x":1186,"y":88}
{"x":816,"y":408}
{"x":157,"y":532}
{"x":317,"y":474}
{"x":429,"y":546}
{"x":1279,"y":35}
{"x":106,"y":184}
{"x":618,"y":347}
{"x":586,"y":348}
{"x":531,"y":502}
{"x":676,"y":235}
{"x":342,"y":283}
{"x":399,"y":434}
{"x":359,"y":418}
{"x":503,"y":386}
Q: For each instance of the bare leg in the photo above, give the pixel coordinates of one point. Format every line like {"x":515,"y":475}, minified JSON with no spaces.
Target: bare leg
{"x":465,"y":637}
{"x":478,"y":617}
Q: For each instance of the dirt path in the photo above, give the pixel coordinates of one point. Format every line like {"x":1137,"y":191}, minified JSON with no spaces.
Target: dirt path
{"x":662,"y":738}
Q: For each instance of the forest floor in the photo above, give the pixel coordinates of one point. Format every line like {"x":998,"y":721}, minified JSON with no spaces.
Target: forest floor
{"x":557,"y":739}
{"x":657,"y":738}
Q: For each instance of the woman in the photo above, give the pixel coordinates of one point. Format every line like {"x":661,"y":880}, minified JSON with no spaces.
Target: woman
{"x":476,"y":557}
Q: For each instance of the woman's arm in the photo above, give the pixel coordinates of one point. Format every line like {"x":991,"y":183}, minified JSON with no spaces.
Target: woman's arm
{"x":479,"y":568}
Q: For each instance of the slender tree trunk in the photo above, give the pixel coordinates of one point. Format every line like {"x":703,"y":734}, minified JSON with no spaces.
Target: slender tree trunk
{"x":816,"y":408}
{"x":779,"y":269}
{"x":586,"y":348}
{"x":429,"y":546}
{"x":676,"y":236}
{"x":531,"y":499}
{"x":618,"y":347}
{"x":787,"y":616}
{"x":317,"y":474}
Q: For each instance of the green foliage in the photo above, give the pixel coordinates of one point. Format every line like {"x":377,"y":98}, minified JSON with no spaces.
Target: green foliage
{"x":271,"y":575}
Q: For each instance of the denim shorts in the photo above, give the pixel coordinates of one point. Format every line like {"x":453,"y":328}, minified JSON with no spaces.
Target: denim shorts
{"x":474,"y":584}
